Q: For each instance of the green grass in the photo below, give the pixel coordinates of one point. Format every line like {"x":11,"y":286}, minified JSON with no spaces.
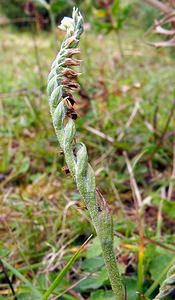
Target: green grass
{"x":43,"y":220}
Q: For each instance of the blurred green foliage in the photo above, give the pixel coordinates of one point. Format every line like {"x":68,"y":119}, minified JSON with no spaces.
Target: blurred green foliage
{"x":110,"y":15}
{"x":147,"y":14}
{"x":13,"y":9}
{"x":22,"y":8}
{"x":104,"y":15}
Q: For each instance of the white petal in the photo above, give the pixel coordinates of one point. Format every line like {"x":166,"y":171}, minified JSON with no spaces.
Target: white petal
{"x":67,"y":24}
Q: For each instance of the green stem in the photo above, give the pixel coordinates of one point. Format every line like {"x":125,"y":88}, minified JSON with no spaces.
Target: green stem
{"x":120,"y":46}
{"x":140,"y":269}
{"x":159,"y":219}
{"x":111,"y":266}
{"x":52,"y":25}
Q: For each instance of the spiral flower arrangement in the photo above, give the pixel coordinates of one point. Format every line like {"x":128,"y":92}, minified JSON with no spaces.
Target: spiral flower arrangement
{"x":61,"y":83}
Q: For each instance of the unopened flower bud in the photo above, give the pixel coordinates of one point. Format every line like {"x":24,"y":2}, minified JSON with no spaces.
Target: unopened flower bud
{"x":73,"y":51}
{"x":72,"y":62}
{"x":68,"y":96}
{"x":70,"y":84}
{"x":70,"y":73}
{"x":66,"y":170}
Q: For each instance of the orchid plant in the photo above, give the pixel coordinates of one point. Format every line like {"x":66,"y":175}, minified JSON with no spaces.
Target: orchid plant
{"x":61,"y":83}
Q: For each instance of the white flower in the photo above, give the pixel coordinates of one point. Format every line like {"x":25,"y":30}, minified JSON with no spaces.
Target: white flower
{"x":67,"y":24}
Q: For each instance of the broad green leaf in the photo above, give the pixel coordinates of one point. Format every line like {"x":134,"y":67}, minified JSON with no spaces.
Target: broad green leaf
{"x":131,"y":287}
{"x":93,"y":283}
{"x":102,"y":295}
{"x":92,"y":264}
{"x":158,"y":264}
{"x":94,"y":249}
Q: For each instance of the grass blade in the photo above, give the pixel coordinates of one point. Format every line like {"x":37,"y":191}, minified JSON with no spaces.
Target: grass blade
{"x":22,"y":278}
{"x":61,"y":275}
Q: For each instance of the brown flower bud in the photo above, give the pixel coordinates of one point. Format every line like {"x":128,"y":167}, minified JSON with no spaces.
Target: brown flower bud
{"x":70,"y":84}
{"x":71,"y":100}
{"x":71,"y":113}
{"x":68,"y":96}
{"x":72,"y":51}
{"x":66,"y":169}
{"x":61,"y":152}
{"x":72,"y":62}
{"x":74,"y":116}
{"x":70,"y":73}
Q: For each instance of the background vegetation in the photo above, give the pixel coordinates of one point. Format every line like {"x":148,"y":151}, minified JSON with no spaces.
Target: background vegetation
{"x":126,"y":117}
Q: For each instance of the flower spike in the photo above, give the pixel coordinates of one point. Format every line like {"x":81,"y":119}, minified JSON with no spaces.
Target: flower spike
{"x":61,"y":81}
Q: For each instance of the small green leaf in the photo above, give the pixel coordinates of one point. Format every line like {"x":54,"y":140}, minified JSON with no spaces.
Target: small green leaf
{"x":25,"y":164}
